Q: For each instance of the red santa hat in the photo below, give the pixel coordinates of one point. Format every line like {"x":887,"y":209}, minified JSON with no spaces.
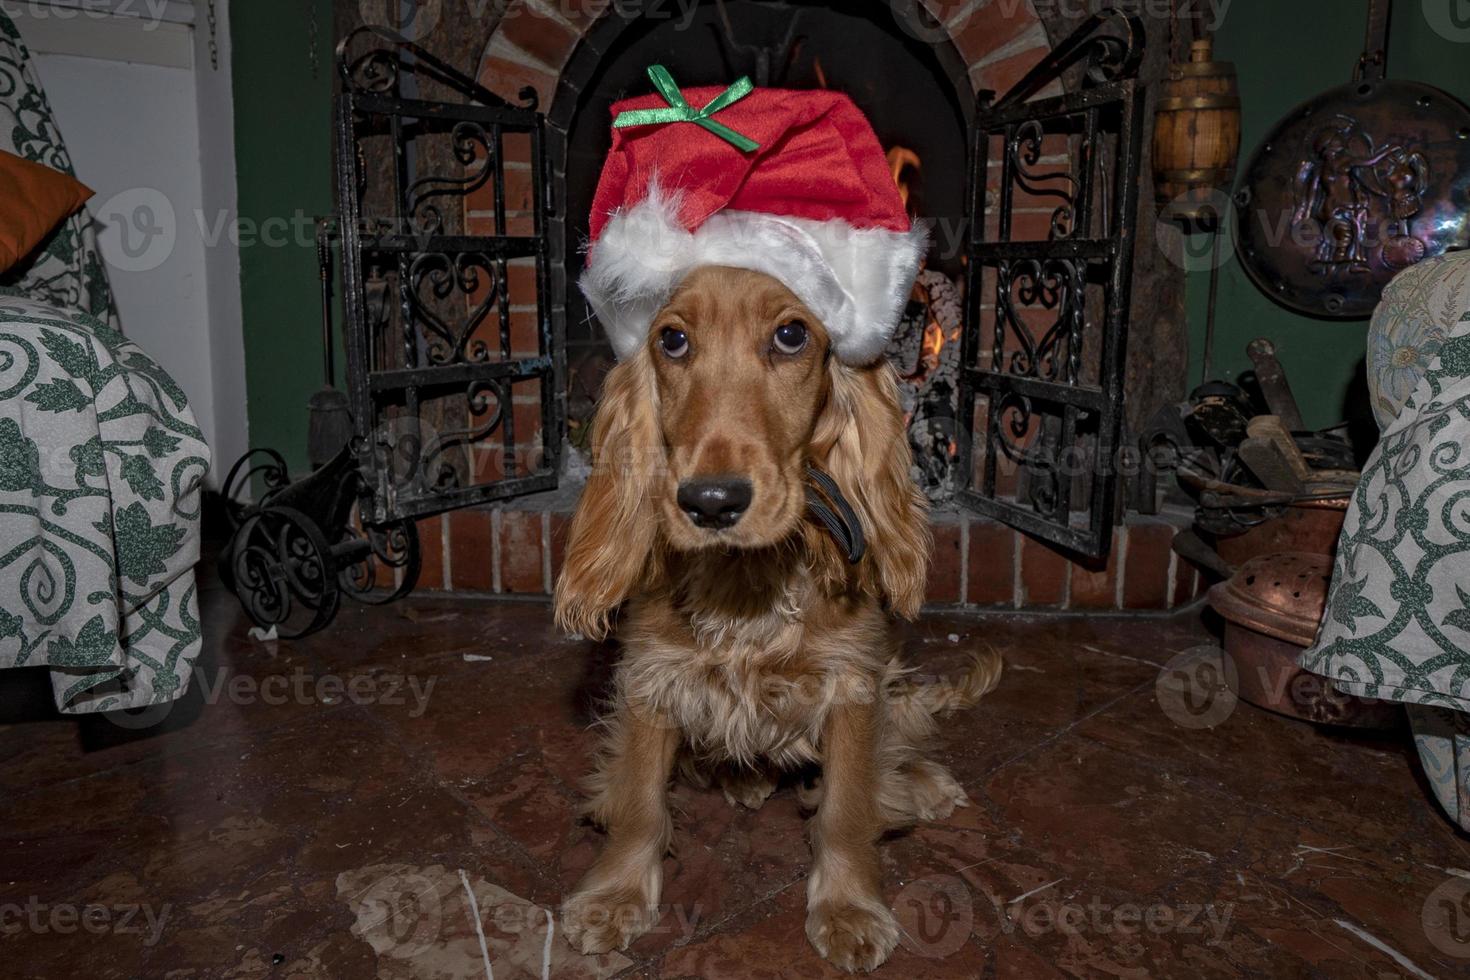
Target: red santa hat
{"x":789,"y":183}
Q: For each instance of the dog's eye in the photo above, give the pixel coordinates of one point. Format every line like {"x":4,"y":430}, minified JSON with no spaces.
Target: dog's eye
{"x":791,"y":337}
{"x":674,"y":341}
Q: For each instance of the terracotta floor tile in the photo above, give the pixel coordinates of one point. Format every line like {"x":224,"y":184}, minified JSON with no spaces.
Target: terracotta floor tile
{"x":341,"y":835}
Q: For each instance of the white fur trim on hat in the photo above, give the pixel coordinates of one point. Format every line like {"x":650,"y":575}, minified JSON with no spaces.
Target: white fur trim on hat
{"x":855,"y":280}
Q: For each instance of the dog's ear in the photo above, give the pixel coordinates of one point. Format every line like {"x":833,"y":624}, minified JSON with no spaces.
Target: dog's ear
{"x":610,"y":549}
{"x":861,"y":442}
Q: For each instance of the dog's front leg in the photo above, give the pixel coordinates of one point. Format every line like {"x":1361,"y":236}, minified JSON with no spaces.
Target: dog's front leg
{"x":616,"y":901}
{"x":847,"y":920}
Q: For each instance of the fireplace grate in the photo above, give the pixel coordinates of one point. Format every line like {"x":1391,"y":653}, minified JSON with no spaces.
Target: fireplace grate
{"x":1053,"y":200}
{"x":453,"y":373}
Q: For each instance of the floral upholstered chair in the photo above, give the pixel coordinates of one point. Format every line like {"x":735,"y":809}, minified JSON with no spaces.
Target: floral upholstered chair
{"x":1397,"y":624}
{"x":100,"y":462}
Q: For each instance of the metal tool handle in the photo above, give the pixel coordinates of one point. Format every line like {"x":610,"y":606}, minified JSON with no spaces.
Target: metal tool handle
{"x":1272,"y":379}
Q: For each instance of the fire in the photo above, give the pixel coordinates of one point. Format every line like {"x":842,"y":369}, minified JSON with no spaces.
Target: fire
{"x":932,"y":344}
{"x":899,"y":159}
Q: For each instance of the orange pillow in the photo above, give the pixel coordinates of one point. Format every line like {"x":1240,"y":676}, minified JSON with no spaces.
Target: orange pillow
{"x":33,"y":200}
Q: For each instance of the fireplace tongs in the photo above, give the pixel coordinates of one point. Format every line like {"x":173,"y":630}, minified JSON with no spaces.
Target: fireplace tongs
{"x":839,"y":518}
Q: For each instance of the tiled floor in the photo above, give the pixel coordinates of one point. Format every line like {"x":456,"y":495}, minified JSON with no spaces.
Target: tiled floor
{"x":355,"y":805}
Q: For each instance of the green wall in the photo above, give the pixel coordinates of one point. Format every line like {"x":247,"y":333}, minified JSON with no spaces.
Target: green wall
{"x":1285,"y":52}
{"x":283,"y":152}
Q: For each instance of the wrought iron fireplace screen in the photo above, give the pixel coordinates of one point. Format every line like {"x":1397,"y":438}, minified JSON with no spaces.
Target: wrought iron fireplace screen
{"x":1050,"y":253}
{"x":454,"y":377}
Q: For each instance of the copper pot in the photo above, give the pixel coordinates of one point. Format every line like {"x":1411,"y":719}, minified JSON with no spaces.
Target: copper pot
{"x":1310,"y":526}
{"x":1272,"y":606}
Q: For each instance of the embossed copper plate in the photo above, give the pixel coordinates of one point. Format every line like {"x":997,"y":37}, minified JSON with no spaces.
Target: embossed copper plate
{"x":1349,"y":188}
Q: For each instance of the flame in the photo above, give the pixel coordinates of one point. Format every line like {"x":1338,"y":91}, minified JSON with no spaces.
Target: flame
{"x":933,"y":343}
{"x":900,"y":158}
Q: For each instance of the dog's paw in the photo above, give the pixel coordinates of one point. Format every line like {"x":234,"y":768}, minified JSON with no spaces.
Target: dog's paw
{"x":855,"y":938}
{"x":600,"y":921}
{"x":935,"y":792}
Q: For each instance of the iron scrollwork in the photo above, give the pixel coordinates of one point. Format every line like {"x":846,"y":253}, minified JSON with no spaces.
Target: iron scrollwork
{"x":435,"y":277}
{"x":432,"y":366}
{"x":1047,"y":377}
{"x":439,"y":341}
{"x":294,"y":553}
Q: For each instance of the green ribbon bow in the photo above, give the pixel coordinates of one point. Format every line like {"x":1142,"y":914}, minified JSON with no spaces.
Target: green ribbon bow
{"x":679,"y":109}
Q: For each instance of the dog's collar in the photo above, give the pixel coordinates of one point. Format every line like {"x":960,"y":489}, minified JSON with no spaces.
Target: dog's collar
{"x":838,"y":518}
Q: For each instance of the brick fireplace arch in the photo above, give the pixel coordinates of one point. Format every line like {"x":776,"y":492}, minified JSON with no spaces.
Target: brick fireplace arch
{"x":994,"y":41}
{"x":552,"y":47}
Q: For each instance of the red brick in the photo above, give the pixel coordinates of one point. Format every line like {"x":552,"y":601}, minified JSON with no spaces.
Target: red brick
{"x":520,"y":552}
{"x":541,"y":36}
{"x":561,"y":524}
{"x":1043,"y":574}
{"x":1146,"y":571}
{"x":1095,"y":582}
{"x":470,"y":553}
{"x":581,"y":13}
{"x":487,"y":457}
{"x":944,"y":567}
{"x":520,"y":194}
{"x":1032,"y":225}
{"x":507,"y":78}
{"x":520,"y":223}
{"x":431,"y":551}
{"x":479,"y":224}
{"x":943,"y":10}
{"x":990,"y":28}
{"x":525,"y":334}
{"x":1002,"y":74}
{"x":526,"y":410}
{"x":515,"y":148}
{"x":992,"y":562}
{"x":517,"y":223}
{"x":520,"y":276}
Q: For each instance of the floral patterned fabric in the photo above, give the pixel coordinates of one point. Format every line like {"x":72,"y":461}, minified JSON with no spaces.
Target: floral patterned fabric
{"x":1409,"y":325}
{"x":100,"y":462}
{"x":66,"y":269}
{"x":1397,"y":624}
{"x":100,"y":471}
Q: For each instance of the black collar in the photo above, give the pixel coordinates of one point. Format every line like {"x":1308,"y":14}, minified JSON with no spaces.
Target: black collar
{"x":839,"y":518}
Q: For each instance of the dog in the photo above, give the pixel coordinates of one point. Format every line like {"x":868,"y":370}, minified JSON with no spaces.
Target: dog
{"x":752,"y":644}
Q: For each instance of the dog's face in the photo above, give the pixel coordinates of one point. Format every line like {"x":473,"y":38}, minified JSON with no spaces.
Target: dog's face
{"x":740,"y":368}
{"x":701,"y":444}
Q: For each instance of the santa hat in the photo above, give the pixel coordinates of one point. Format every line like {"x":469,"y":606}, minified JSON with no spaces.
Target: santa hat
{"x":789,"y":183}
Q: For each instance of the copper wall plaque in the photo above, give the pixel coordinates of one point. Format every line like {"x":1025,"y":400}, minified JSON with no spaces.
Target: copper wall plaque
{"x":1349,"y":188}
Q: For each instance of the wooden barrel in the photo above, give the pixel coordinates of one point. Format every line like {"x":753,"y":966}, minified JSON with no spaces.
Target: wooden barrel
{"x":1196,"y":136}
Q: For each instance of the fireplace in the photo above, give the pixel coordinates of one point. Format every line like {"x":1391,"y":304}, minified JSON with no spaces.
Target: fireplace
{"x":915,"y":70}
{"x":917,"y":106}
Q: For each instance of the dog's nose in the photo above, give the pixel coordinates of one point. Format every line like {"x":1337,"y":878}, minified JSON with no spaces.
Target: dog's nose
{"x":715,"y":502}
